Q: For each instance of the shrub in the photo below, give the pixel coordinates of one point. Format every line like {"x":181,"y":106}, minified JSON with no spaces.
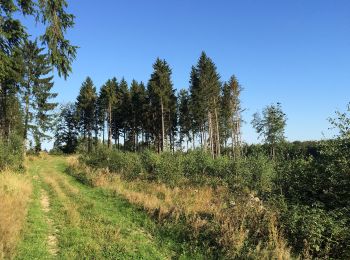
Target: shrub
{"x":314,"y":232}
{"x":11,"y":153}
{"x":255,"y":172}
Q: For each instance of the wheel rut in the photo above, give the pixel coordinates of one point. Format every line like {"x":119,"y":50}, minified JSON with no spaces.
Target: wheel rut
{"x":52,"y":241}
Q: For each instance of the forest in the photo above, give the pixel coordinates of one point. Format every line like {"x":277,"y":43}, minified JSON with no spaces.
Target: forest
{"x":145,"y":170}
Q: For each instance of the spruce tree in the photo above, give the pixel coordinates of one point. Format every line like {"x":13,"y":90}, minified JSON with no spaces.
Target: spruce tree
{"x":185,"y":116}
{"x":231,"y":114}
{"x":124,"y":113}
{"x":108,"y":98}
{"x":161,"y":92}
{"x":86,"y":109}
{"x":53,"y":15}
{"x":66,"y":132}
{"x":205,"y":94}
{"x":35,"y":90}
{"x":138,"y":103}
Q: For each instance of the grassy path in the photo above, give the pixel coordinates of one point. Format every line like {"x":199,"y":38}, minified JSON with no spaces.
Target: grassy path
{"x":68,"y":220}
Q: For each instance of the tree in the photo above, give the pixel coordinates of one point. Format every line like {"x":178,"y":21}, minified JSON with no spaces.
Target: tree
{"x":66,"y":132}
{"x":271,"y":126}
{"x":108,"y":98}
{"x":161,"y":93}
{"x":342,"y":123}
{"x":35,"y":89}
{"x":52,"y":14}
{"x":124,"y":113}
{"x":60,"y":54}
{"x":138,"y":102}
{"x":185,"y":118}
{"x":205,"y":95}
{"x":231,"y":114}
{"x":86,"y":110}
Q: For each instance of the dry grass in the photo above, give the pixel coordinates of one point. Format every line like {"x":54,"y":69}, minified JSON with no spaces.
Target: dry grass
{"x":234,"y":221}
{"x":15,"y":192}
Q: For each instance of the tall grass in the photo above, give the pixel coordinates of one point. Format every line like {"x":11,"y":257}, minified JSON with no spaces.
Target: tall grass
{"x":15,"y":192}
{"x":234,"y":225}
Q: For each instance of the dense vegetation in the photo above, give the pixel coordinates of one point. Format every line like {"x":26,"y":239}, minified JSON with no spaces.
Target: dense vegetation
{"x":177,"y":155}
{"x":26,"y":68}
{"x":307,"y":188}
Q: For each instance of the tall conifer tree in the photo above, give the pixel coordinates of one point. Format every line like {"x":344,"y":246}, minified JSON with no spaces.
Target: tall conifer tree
{"x":161,"y":91}
{"x":86,"y":109}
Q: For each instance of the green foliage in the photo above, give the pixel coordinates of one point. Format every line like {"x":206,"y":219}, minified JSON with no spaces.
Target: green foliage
{"x":35,"y":91}
{"x":66,"y":132}
{"x":342,"y":122}
{"x":11,"y":153}
{"x":87,"y":112}
{"x":270,"y":125}
{"x":256,"y":172}
{"x":315,"y":232}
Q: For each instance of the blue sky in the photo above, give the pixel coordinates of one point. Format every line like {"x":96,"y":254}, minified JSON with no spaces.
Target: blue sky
{"x":295,"y":52}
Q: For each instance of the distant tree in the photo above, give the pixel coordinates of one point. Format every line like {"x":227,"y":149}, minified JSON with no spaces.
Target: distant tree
{"x":86,"y":109}
{"x":35,"y":89}
{"x":125,"y":113}
{"x":138,"y":102}
{"x":161,"y":95}
{"x":108,"y":98}
{"x":66,"y":132}
{"x":225,"y":113}
{"x":185,"y":117}
{"x":342,"y":123}
{"x":271,"y":125}
{"x":142,"y":110}
{"x":231,"y":114}
{"x":205,"y":95}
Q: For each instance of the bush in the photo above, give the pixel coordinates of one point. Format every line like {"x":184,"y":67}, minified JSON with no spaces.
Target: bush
{"x":11,"y":153}
{"x":313,"y":231}
{"x":255,"y":172}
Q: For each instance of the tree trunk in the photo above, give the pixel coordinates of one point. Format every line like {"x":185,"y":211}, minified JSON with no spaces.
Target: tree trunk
{"x":193,"y":143}
{"x":26,"y":122}
{"x":163,"y":128}
{"x":103,"y":131}
{"x":109,"y":125}
{"x":218,"y":150}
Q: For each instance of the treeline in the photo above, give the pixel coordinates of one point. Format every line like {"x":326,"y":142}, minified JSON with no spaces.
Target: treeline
{"x":154,"y":116}
{"x":26,"y":69}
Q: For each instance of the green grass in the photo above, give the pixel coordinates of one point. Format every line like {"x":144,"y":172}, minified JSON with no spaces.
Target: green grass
{"x":93,"y":223}
{"x":34,"y":242}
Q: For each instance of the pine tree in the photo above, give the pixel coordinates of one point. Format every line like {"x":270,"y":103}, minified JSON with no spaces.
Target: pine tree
{"x":52,"y":14}
{"x":185,"y":118}
{"x":66,"y":132}
{"x":123,"y":112}
{"x":35,"y":89}
{"x":86,"y":109}
{"x":226,"y":113}
{"x":236,"y":90}
{"x":142,"y":110}
{"x":13,"y":36}
{"x":205,"y":95}
{"x":161,"y":92}
{"x":231,"y":114}
{"x":138,"y":101}
{"x":108,"y":98}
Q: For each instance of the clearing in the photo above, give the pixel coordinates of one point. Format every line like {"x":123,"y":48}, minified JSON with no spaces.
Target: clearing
{"x":69,"y":220}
